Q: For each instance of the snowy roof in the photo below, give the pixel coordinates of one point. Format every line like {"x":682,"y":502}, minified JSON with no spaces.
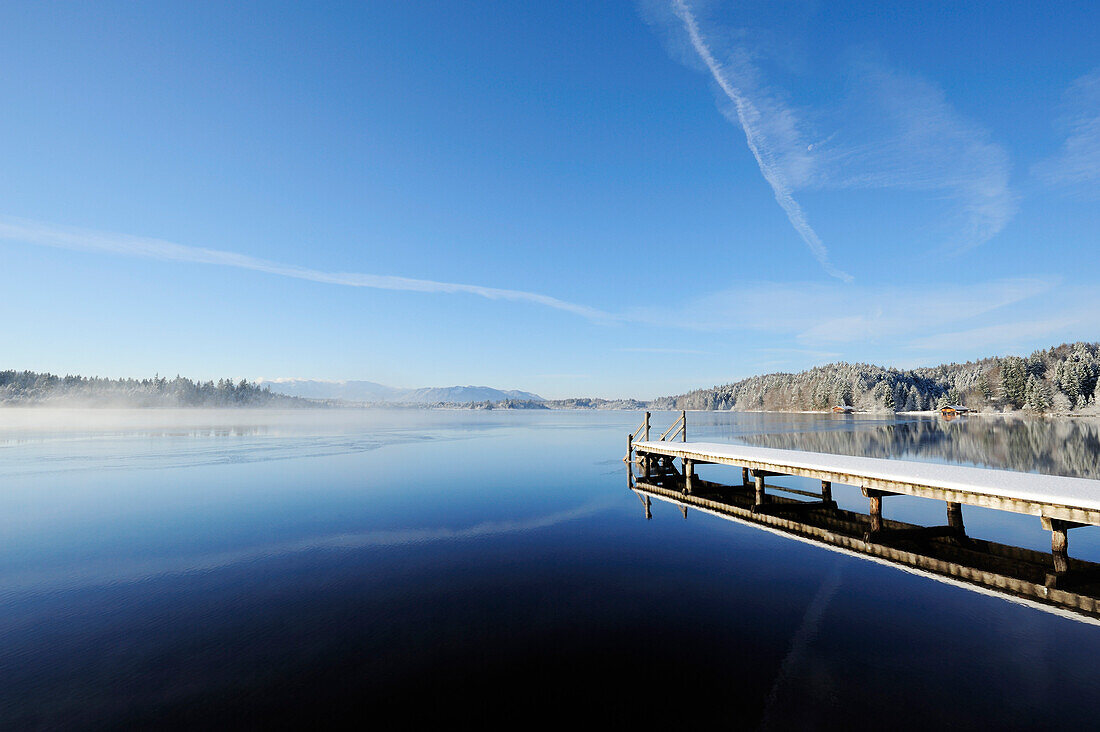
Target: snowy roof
{"x":1051,"y":489}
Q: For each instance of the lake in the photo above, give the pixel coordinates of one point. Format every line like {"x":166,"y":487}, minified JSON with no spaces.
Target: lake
{"x":192,"y":569}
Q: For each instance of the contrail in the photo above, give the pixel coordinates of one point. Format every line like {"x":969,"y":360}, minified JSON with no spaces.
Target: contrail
{"x":749,"y":117}
{"x":97,"y":573}
{"x":800,"y":641}
{"x":40,"y":234}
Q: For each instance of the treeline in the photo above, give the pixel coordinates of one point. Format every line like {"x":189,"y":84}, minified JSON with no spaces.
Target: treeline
{"x":31,"y":388}
{"x":595,"y":403}
{"x":1059,"y":380}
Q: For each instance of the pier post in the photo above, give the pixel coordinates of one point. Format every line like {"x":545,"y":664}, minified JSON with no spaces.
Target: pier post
{"x":647,"y":426}
{"x":875,"y":497}
{"x":876,"y":511}
{"x":1059,"y":541}
{"x":648,"y":512}
{"x":745,"y":477}
{"x":629,"y":460}
{"x":826,"y":491}
{"x":1059,"y":547}
{"x":761,"y":496}
{"x":689,"y":473}
{"x":684,"y":431}
{"x":955,"y":516}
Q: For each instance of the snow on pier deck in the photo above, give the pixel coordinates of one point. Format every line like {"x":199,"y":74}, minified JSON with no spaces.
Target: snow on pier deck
{"x":1048,"y":496}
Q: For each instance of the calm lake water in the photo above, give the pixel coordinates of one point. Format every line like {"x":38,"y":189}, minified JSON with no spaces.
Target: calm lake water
{"x":243,"y":568}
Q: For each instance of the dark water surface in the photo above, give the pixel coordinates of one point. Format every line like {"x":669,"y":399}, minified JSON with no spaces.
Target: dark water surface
{"x":259,"y":569}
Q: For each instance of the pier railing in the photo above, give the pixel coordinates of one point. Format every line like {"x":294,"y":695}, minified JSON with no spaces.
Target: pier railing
{"x":676,"y":429}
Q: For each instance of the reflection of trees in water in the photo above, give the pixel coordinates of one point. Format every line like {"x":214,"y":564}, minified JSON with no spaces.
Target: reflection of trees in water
{"x":1057,"y":447}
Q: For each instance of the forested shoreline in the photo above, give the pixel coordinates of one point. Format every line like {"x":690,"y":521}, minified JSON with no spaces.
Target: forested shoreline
{"x":1059,"y":380}
{"x":29,"y":388}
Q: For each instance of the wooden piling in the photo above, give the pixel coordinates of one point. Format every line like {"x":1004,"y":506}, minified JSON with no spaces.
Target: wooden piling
{"x":689,"y":473}
{"x":826,"y":490}
{"x":876,"y":511}
{"x":684,"y":428}
{"x":1059,"y":544}
{"x":647,"y":426}
{"x":761,"y":496}
{"x":955,"y":516}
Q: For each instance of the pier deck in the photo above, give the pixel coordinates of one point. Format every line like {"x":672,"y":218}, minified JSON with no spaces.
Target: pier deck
{"x":1053,"y":496}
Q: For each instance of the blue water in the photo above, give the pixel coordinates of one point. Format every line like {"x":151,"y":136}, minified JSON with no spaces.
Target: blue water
{"x":251,"y":569}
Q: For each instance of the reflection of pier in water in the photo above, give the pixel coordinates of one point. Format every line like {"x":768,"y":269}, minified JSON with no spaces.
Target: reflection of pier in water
{"x":1047,"y":580}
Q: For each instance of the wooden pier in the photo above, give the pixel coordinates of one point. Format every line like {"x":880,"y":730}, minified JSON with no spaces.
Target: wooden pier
{"x":1060,"y":503}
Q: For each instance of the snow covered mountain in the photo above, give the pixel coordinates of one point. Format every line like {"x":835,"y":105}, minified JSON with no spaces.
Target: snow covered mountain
{"x":369,"y":391}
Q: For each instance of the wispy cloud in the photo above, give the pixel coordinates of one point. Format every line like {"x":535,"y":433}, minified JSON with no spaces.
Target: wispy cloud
{"x":1076,"y":167}
{"x":664,"y":350}
{"x":43,"y":234}
{"x":898,"y":131}
{"x":1015,"y":335}
{"x":817,"y":313}
{"x":888,"y":130}
{"x":756,"y":123}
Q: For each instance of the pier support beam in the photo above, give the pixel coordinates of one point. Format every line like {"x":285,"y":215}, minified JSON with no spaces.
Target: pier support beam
{"x":745,"y":477}
{"x":826,"y":490}
{"x":689,"y":473}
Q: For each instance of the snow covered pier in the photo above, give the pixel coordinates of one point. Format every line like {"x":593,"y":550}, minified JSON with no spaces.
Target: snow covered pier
{"x":1060,"y":503}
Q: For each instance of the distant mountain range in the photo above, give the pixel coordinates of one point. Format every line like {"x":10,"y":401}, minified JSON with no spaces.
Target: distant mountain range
{"x":369,"y":391}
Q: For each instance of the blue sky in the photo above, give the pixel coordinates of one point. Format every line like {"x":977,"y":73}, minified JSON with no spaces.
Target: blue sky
{"x":583,"y":198}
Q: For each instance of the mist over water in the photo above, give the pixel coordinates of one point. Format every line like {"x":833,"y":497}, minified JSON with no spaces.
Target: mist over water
{"x":197,"y":567}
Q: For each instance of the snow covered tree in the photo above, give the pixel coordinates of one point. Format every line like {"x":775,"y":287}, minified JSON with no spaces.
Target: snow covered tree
{"x":1014,"y":379}
{"x":912,"y":400}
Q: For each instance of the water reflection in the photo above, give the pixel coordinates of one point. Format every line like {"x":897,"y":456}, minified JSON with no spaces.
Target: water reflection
{"x":1054,"y":583}
{"x":1051,"y":446}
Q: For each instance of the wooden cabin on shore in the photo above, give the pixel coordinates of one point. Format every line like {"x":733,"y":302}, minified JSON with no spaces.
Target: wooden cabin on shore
{"x":843,"y":409}
{"x":954,"y":410}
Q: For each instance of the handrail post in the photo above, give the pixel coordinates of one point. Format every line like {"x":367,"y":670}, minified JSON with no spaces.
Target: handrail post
{"x":684,"y":428}
{"x":629,"y":460}
{"x":647,"y":426}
